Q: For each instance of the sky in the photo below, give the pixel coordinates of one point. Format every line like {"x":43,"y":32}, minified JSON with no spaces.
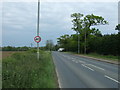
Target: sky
{"x":19,"y":20}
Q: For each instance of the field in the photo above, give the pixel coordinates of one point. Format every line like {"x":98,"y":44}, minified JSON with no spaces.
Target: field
{"x":23,"y":70}
{"x":6,"y":54}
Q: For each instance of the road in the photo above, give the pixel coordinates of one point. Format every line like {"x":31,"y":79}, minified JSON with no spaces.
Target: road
{"x":74,"y":71}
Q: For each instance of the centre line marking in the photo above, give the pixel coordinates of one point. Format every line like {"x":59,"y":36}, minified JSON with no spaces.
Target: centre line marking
{"x":112,"y":79}
{"x":87,"y":67}
{"x":96,"y":66}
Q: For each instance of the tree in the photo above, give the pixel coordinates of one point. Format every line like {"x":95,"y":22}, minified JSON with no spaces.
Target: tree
{"x":69,"y":43}
{"x":118,"y":28}
{"x":77,"y":23}
{"x":63,"y":41}
{"x":49,"y":45}
{"x":83,"y":25}
{"x":92,"y":20}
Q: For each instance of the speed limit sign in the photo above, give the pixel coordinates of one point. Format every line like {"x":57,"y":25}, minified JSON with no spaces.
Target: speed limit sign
{"x":37,"y":39}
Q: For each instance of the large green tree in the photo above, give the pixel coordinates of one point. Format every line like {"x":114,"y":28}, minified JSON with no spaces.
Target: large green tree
{"x":63,"y":41}
{"x":68,"y":42}
{"x":77,"y":26}
{"x":77,"y":22}
{"x":82,"y":24}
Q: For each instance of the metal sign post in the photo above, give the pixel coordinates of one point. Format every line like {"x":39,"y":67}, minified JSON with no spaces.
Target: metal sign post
{"x":38,"y":30}
{"x":38,"y":51}
{"x":37,"y":40}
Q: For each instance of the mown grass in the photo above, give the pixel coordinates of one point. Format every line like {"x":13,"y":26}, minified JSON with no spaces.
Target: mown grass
{"x":95,"y":55}
{"x":107,"y":57}
{"x":23,"y":70}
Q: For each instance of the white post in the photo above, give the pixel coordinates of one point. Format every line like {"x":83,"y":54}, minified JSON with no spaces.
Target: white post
{"x":38,"y":30}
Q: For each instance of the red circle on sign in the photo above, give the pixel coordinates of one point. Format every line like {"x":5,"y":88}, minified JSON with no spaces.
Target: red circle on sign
{"x":37,"y":39}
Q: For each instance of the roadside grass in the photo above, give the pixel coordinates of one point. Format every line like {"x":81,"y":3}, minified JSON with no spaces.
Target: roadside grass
{"x":95,"y":55}
{"x":6,"y":54}
{"x":23,"y":70}
{"x":107,"y":57}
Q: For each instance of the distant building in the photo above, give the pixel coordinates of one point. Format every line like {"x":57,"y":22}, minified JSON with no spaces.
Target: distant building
{"x":61,"y":49}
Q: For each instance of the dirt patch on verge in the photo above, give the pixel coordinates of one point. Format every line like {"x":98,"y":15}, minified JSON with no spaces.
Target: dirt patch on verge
{"x":8,"y":53}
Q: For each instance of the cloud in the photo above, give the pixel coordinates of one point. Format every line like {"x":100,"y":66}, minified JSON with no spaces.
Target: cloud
{"x":18,"y":15}
{"x":19,"y":19}
{"x":60,"y":13}
{"x":61,"y":0}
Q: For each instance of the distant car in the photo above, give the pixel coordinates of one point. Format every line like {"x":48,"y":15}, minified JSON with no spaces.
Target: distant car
{"x":61,"y":49}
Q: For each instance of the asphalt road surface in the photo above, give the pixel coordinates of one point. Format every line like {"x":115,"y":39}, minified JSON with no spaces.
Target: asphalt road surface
{"x":77,"y":72}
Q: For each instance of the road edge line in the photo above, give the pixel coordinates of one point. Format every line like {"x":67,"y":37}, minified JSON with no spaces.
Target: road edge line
{"x":59,"y":85}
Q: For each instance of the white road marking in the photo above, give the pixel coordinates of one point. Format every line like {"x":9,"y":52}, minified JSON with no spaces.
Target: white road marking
{"x":96,"y":66}
{"x":73,"y":60}
{"x":59,"y":84}
{"x":76,"y":62}
{"x":58,"y":79}
{"x":81,"y":61}
{"x":87,"y":67}
{"x":111,"y":79}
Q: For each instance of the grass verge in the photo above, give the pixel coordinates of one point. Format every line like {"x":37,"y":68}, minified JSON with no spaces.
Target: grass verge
{"x":107,"y":57}
{"x":99,"y":56}
{"x":23,"y":70}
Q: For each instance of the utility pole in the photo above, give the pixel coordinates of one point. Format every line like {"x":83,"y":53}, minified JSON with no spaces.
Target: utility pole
{"x":78,"y":43}
{"x":78,"y":39}
{"x":78,"y":36}
{"x":31,"y":45}
{"x":38,"y":29}
{"x":85,"y":43}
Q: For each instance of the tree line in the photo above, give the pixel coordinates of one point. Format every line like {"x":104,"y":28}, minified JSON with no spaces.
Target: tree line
{"x":11,"y":48}
{"x":89,"y":39}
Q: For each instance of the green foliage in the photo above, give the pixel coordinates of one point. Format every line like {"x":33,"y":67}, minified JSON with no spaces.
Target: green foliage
{"x":107,"y":57}
{"x":49,"y":45}
{"x":82,"y":25}
{"x":107,"y":44}
{"x":23,"y":70}
{"x":10,"y":48}
{"x":77,"y":22}
{"x":91,"y":20}
{"x":102,"y":44}
{"x":118,"y":28}
{"x":32,"y":50}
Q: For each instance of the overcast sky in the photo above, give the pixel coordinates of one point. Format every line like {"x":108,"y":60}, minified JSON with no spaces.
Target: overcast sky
{"x":19,"y":20}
